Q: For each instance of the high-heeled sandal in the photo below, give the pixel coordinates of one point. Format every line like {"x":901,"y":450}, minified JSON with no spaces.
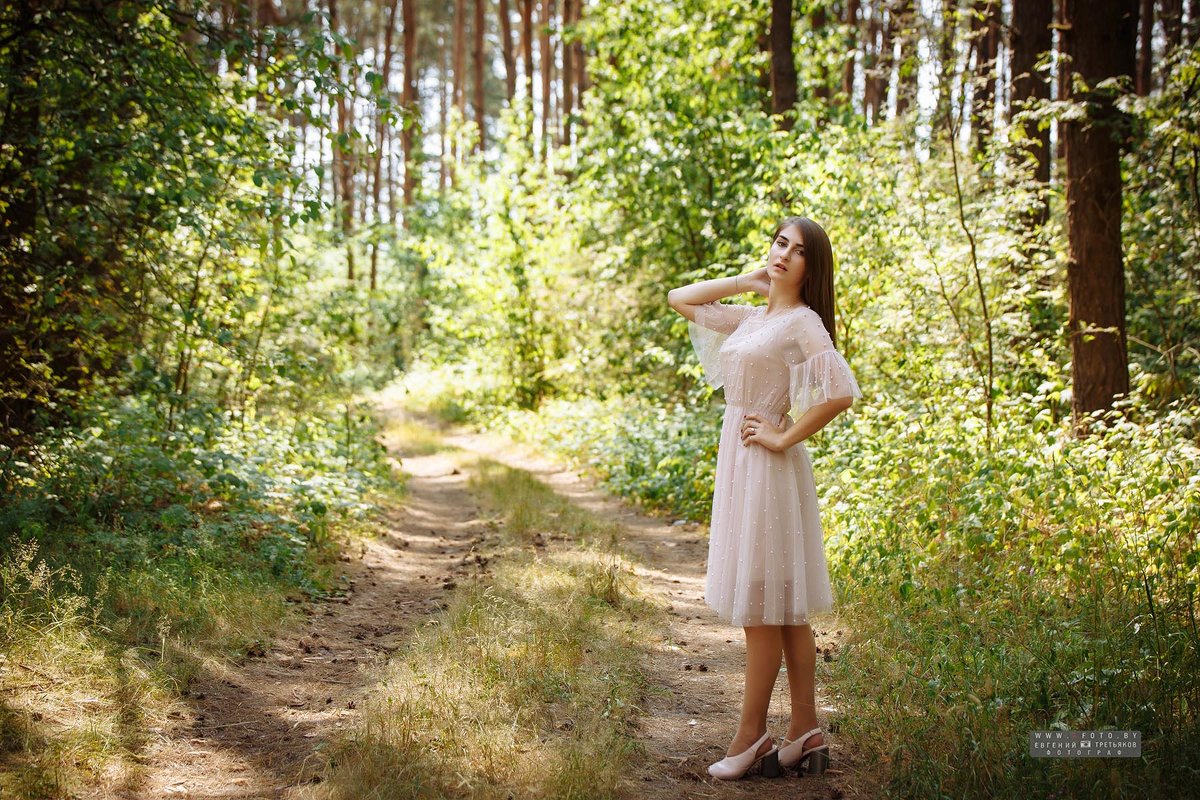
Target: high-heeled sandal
{"x":817,"y":757}
{"x":731,"y":768}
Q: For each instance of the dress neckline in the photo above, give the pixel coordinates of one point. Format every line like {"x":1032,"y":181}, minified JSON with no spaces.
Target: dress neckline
{"x":780,"y":313}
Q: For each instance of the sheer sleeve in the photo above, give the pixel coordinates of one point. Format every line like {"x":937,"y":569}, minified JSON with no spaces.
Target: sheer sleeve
{"x":818,"y":372}
{"x":714,"y":323}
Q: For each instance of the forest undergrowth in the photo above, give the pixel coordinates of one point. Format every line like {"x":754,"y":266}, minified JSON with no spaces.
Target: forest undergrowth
{"x":1046,"y":585}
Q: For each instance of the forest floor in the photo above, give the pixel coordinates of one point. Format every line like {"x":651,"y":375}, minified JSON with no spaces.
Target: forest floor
{"x":256,"y":729}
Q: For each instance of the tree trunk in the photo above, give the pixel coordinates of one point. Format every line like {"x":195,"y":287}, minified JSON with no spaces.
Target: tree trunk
{"x":506,"y":50}
{"x":385,"y":74}
{"x":477,"y":63}
{"x":1172,"y":19}
{"x":1030,"y":38}
{"x":1192,"y":32}
{"x":783,"y":64}
{"x":443,"y":114}
{"x":818,"y":20}
{"x":412,"y":109}
{"x":946,"y":56}
{"x":985,"y":24}
{"x":344,"y":149}
{"x":1145,"y":56}
{"x":527,"y":59}
{"x":871,"y":60}
{"x":852,"y":23}
{"x":883,"y":68}
{"x":546,"y":66}
{"x":580,"y":59}
{"x":1101,"y":41}
{"x":568,"y":70}
{"x":458,"y":95}
{"x":908,"y":64}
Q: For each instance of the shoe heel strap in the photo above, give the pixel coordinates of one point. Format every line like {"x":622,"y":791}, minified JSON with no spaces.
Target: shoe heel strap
{"x":802,"y":738}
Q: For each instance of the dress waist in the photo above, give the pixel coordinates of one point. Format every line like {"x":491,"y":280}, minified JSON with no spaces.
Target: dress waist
{"x":769,"y":409}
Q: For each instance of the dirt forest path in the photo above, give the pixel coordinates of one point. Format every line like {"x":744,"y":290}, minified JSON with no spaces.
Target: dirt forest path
{"x":697,"y":668}
{"x":256,"y":729}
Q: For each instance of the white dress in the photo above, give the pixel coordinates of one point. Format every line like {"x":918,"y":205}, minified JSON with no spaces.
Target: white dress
{"x":766,"y":552}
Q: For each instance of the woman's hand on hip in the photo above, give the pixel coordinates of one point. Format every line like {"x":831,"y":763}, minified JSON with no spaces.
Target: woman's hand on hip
{"x":757,"y":430}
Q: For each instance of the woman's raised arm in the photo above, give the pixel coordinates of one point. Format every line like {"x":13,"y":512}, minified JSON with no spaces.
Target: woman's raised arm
{"x":686,"y":299}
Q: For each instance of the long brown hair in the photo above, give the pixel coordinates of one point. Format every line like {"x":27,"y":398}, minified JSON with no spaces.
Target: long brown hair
{"x":816,"y":290}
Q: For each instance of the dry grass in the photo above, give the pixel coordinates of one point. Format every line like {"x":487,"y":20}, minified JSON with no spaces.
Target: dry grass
{"x":528,"y":685}
{"x":79,"y":699}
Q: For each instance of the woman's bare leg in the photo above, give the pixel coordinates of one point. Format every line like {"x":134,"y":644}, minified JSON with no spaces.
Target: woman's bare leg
{"x":764,"y":654}
{"x":800,"y":652}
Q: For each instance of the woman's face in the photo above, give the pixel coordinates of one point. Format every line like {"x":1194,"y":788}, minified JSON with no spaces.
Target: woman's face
{"x":785,"y":261}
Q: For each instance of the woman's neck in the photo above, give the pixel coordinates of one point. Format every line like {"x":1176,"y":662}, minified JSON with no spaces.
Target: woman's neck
{"x":781,"y":299}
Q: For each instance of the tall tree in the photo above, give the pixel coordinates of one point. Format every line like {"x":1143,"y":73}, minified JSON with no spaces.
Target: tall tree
{"x":1100,"y":39}
{"x":985,"y":28}
{"x":783,"y":64}
{"x":385,"y":73}
{"x":546,"y":66}
{"x":1145,"y":56}
{"x":344,"y":146}
{"x":871,"y":50}
{"x":459,"y":69}
{"x":946,"y":57}
{"x":568,"y":70}
{"x":506,"y":50}
{"x":853,"y":36}
{"x":1030,"y":39}
{"x":527,"y":58}
{"x":477,"y":54}
{"x":818,"y":19}
{"x":907,"y":64}
{"x":412,"y":109}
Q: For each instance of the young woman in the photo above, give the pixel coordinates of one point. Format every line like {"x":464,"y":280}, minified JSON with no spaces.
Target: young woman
{"x":766,"y":555}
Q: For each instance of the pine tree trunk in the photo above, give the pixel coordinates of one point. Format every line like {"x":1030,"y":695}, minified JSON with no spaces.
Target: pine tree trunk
{"x":385,"y":73}
{"x":985,"y":24}
{"x":871,"y":61}
{"x":527,"y":59}
{"x":1101,"y":41}
{"x":344,"y":152}
{"x":546,"y":66}
{"x":412,"y":109}
{"x":581,"y":59}
{"x":783,"y":64}
{"x":506,"y":50}
{"x":908,"y":64}
{"x":946,"y":57}
{"x":1030,"y":37}
{"x":443,"y":114}
{"x":1145,"y":56}
{"x":568,"y":70}
{"x":852,"y":42}
{"x":818,"y":19}
{"x":459,"y":68}
{"x":883,"y":70}
{"x":477,"y":64}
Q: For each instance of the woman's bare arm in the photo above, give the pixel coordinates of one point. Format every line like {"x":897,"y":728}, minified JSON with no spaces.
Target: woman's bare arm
{"x":756,"y":428}
{"x":685,"y":298}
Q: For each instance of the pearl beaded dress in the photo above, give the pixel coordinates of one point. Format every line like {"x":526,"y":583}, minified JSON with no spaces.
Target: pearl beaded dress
{"x":766,"y":551}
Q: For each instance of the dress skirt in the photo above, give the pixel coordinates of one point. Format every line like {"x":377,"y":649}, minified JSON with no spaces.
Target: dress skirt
{"x":766,"y":553}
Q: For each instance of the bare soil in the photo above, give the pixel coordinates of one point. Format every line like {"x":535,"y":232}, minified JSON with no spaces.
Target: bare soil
{"x":256,"y":729}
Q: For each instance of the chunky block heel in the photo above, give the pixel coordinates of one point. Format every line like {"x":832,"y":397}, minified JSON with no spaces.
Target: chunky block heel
{"x":818,"y":762}
{"x":731,"y":768}
{"x":812,"y":761}
{"x":770,"y":765}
